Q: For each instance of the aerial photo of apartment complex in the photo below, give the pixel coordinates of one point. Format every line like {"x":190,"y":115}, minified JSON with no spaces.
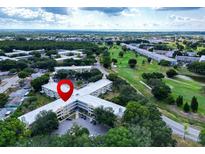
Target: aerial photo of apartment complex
{"x":138,"y":81}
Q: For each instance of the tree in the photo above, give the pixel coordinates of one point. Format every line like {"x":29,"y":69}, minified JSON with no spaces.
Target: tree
{"x":3,"y":99}
{"x":202,"y":137}
{"x":13,"y":70}
{"x":114,"y":60}
{"x":121,"y":54}
{"x":171,"y":73}
{"x":127,"y":137}
{"x":51,"y":52}
{"x":23,"y":74}
{"x":186,"y":130}
{"x":12,"y":131}
{"x":164,"y":63}
{"x":124,"y":48}
{"x":132,"y":63}
{"x":194,"y":104}
{"x":21,"y":64}
{"x":161,"y":91}
{"x":106,"y":60}
{"x":202,"y":52}
{"x":135,"y":112}
{"x":6,"y":65}
{"x":186,"y":107}
{"x":197,"y":67}
{"x":170,"y":100}
{"x":154,"y":75}
{"x":46,"y":63}
{"x":38,"y":82}
{"x":179,"y":101}
{"x":149,"y":60}
{"x":105,"y":116}
{"x":46,"y":122}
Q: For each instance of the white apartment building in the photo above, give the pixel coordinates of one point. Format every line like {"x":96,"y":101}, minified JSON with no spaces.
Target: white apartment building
{"x":149,"y":54}
{"x":82,"y":102}
{"x":187,"y":59}
{"x":74,"y":68}
{"x":202,"y":59}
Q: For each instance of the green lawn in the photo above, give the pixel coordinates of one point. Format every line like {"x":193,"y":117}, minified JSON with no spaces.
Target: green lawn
{"x":179,"y":86}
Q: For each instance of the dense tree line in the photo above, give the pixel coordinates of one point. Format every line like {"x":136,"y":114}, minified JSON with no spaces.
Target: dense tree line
{"x":88,"y":76}
{"x":6,"y":65}
{"x":153,"y":75}
{"x":161,"y":46}
{"x":197,"y":67}
{"x":8,"y":46}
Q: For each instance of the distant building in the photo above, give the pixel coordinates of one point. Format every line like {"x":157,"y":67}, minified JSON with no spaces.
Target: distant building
{"x":74,"y":68}
{"x":169,"y":54}
{"x":192,"y":54}
{"x":202,"y":59}
{"x":187,"y":59}
{"x":2,"y":58}
{"x":69,"y":54}
{"x":151,"y":55}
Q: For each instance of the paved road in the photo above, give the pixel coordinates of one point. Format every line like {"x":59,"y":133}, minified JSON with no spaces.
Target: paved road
{"x":8,"y":83}
{"x":101,"y":68}
{"x":178,"y":129}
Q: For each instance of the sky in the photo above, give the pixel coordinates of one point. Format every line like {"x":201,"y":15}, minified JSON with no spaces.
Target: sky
{"x":104,"y":18}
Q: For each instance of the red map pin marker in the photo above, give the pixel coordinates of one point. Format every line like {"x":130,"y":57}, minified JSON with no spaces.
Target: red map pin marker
{"x":62,"y":85}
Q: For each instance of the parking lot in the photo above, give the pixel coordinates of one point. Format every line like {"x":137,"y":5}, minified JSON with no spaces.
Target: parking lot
{"x":93,"y":129}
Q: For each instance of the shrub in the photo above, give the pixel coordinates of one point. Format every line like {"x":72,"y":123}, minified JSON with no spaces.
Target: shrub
{"x":132,"y":63}
{"x":161,"y":91}
{"x":171,"y":73}
{"x":164,"y":63}
{"x":186,"y":107}
{"x":170,"y":100}
{"x":179,"y":101}
{"x":194,"y":104}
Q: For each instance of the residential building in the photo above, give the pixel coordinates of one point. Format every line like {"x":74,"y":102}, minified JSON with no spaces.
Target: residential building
{"x":149,"y":54}
{"x":74,"y":68}
{"x":202,"y":59}
{"x":187,"y":59}
{"x":81,"y":103}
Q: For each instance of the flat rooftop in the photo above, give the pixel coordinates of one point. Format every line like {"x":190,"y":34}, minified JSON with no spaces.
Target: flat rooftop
{"x":88,"y":89}
{"x":30,"y":117}
{"x":98,"y":102}
{"x":92,"y":87}
{"x":72,"y":67}
{"x":82,"y":95}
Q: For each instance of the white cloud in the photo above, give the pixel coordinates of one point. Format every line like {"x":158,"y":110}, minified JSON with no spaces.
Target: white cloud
{"x":131,"y":12}
{"x":77,"y":18}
